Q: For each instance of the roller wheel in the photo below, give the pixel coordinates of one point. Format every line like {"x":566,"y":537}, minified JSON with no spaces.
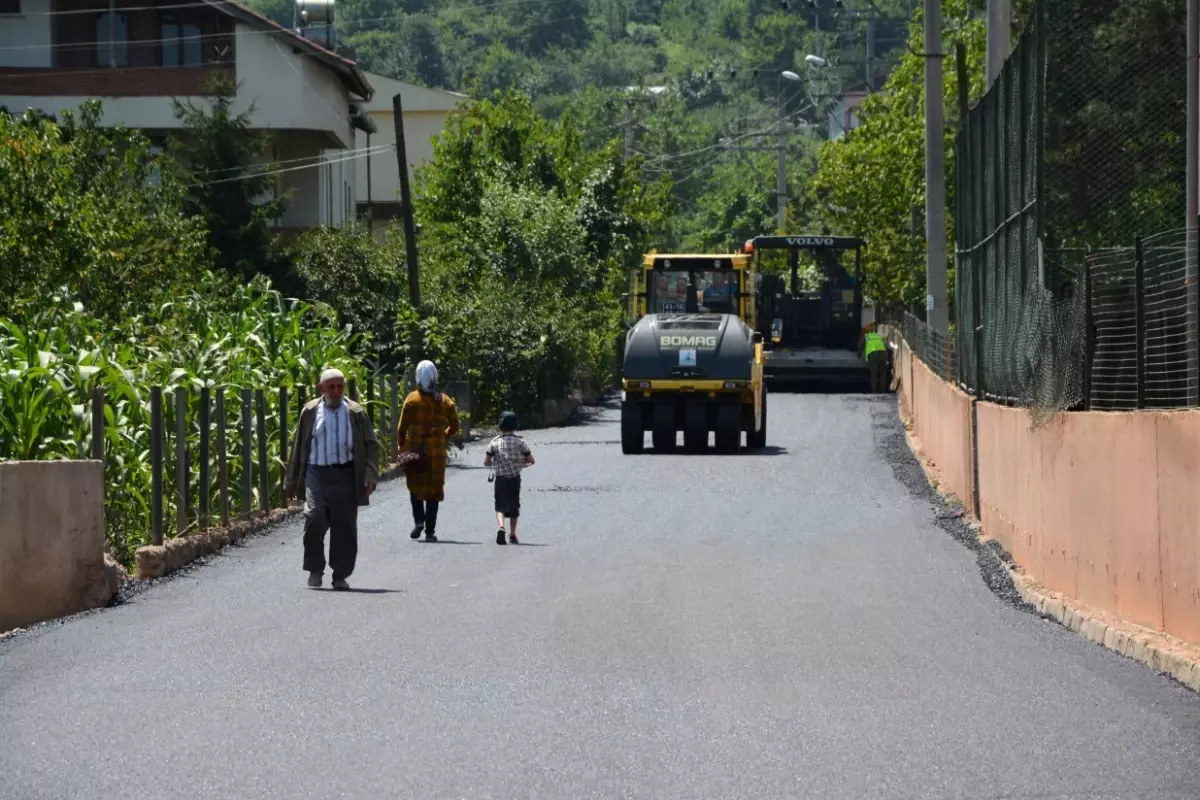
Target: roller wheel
{"x":663,"y":432}
{"x":729,"y":428}
{"x":757,"y":440}
{"x":632,"y":438}
{"x":695,"y":428}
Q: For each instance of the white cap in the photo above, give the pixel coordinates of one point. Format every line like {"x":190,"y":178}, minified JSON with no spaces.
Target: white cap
{"x":331,"y":373}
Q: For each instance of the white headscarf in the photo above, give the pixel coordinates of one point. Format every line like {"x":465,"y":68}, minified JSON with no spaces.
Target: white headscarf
{"x":427,"y":375}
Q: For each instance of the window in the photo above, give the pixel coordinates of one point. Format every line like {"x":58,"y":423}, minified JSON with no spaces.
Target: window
{"x":181,"y":42}
{"x":112,"y":39}
{"x":10,"y":6}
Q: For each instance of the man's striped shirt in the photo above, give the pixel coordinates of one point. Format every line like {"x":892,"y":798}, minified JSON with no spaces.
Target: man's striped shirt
{"x":332,"y":436}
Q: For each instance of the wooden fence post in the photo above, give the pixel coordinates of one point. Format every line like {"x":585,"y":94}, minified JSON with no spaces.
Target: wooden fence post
{"x":283,"y":445}
{"x":156,"y":466}
{"x":181,"y":461}
{"x":205,"y":483}
{"x":247,"y":454}
{"x":98,"y":424}
{"x":222,"y":457}
{"x":264,"y":479}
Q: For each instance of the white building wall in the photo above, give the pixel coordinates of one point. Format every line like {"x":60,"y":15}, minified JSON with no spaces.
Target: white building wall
{"x":288,"y":90}
{"x":420,"y":129}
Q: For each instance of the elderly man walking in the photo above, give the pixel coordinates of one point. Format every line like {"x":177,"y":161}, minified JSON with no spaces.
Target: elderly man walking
{"x":334,"y":466}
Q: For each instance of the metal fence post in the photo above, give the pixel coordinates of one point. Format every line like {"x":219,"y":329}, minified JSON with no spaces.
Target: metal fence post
{"x":1089,"y":344}
{"x":156,"y":466}
{"x":1139,"y":319}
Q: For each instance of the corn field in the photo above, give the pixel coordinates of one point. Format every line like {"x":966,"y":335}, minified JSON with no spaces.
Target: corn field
{"x":52,"y":362}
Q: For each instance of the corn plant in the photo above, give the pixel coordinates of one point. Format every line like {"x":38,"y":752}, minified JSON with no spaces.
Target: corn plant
{"x":53,"y":360}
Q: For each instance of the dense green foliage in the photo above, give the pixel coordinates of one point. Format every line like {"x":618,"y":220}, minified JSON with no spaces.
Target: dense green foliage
{"x":872,"y":182}
{"x":220,"y":156}
{"x":79,"y":208}
{"x":579,"y":59}
{"x":527,"y":240}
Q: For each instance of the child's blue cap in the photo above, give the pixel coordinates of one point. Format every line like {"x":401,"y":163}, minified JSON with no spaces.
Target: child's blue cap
{"x":508,"y":421}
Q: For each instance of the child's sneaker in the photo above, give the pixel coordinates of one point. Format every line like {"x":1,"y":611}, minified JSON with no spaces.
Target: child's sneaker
{"x":500,"y":536}
{"x":512,"y":539}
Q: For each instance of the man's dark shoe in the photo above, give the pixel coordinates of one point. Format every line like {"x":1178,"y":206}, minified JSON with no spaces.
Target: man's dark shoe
{"x":416,"y":532}
{"x":430,"y":537}
{"x":500,"y":536}
{"x":314,"y":580}
{"x":340,"y":585}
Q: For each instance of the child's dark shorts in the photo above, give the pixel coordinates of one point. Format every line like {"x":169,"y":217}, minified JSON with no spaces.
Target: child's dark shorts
{"x":508,"y":496}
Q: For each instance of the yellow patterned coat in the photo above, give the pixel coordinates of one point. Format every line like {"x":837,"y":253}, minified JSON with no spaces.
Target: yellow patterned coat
{"x":427,"y":423}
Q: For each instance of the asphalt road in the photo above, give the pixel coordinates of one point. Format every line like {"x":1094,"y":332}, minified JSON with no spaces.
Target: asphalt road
{"x":786,"y":625}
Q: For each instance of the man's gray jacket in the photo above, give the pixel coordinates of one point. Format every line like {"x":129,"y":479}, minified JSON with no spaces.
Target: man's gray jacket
{"x":366,"y":450}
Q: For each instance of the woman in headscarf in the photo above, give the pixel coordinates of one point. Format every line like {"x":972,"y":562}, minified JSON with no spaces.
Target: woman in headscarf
{"x":428,"y":420}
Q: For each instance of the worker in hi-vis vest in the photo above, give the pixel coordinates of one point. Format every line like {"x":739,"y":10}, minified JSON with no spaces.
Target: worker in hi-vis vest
{"x":875,"y":351}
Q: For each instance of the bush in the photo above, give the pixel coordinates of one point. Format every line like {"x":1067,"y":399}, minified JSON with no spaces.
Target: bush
{"x":362,"y":280}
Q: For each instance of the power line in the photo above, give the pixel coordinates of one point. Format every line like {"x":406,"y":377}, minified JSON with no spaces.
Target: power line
{"x":316,"y":160}
{"x":274,"y":31}
{"x":267,"y":173}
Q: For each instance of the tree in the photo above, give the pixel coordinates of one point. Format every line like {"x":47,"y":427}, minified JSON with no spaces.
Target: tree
{"x":229,"y":183}
{"x":362,"y":280}
{"x":870,"y":182}
{"x":91,"y":211}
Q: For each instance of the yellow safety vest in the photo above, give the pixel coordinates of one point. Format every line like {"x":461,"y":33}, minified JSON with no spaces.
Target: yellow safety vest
{"x":875,"y":344}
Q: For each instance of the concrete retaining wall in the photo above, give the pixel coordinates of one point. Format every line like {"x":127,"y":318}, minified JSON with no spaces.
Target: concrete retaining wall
{"x":1099,"y":506}
{"x":51,"y":540}
{"x":941,"y":416}
{"x":903,"y":366}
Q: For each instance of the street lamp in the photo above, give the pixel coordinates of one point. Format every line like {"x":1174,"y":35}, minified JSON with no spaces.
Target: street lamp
{"x":781,"y":181}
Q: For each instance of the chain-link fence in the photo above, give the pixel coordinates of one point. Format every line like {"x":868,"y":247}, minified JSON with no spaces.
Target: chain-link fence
{"x":1076,"y":148}
{"x":1143,"y":346}
{"x":934,"y":348}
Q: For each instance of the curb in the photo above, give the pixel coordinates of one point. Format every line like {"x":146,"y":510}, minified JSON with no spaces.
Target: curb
{"x":1163,"y":653}
{"x":156,"y":561}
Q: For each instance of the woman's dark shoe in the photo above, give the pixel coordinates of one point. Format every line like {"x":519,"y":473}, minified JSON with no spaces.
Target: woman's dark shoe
{"x":416,"y":532}
{"x":500,"y":536}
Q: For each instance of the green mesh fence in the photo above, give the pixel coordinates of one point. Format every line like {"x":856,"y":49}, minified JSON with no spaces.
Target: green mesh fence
{"x":1074,"y":151}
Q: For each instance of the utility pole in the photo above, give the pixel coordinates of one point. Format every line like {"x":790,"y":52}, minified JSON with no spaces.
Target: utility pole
{"x":870,"y":49}
{"x":938,"y":313}
{"x":1192,"y":188}
{"x":631,"y":122}
{"x":628,"y":131}
{"x":410,"y":234}
{"x":781,"y":178}
{"x":999,"y":23}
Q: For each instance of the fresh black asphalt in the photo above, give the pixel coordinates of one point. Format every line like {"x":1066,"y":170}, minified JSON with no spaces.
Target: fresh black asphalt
{"x":790,"y":624}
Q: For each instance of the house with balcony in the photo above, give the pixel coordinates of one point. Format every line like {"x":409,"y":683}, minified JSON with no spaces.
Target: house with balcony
{"x":136,"y":55}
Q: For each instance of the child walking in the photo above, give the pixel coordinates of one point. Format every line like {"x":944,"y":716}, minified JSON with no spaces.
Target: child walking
{"x":507,"y":455}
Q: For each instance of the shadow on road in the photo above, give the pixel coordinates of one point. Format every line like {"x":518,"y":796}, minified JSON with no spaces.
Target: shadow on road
{"x":448,"y":541}
{"x":356,"y":590}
